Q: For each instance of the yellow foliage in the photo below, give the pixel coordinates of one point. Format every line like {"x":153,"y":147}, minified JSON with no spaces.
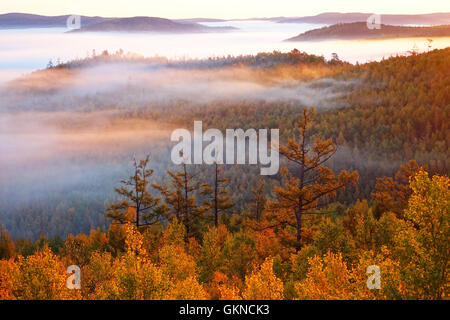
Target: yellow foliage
{"x":429,"y":211}
{"x":327,"y":278}
{"x":390,"y":271}
{"x":176,"y":263}
{"x":429,"y":207}
{"x":175,"y":232}
{"x":96,"y":274}
{"x":41,"y":276}
{"x":412,"y":255}
{"x":9,"y":275}
{"x":263,"y":284}
{"x":223,"y":288}
{"x":134,"y":242}
{"x":134,"y":276}
{"x":229,"y":292}
{"x":188,"y":289}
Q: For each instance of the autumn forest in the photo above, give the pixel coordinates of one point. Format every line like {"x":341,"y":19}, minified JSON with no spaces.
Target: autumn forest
{"x":363,"y":180}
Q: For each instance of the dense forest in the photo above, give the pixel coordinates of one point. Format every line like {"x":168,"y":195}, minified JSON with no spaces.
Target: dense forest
{"x":364,"y":181}
{"x":380,"y":115}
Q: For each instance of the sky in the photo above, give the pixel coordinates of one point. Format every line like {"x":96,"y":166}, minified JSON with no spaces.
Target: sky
{"x":224,"y":9}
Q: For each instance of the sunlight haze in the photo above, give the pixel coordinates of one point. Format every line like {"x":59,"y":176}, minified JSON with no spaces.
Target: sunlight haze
{"x":230,"y":9}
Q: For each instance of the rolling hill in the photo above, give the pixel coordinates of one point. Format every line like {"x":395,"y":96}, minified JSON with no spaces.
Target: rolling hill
{"x":101,"y":24}
{"x":359,"y":30}
{"x":149,"y":24}
{"x":394,"y":19}
{"x":24,"y":20}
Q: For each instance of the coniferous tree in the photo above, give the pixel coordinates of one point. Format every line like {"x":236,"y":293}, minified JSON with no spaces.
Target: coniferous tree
{"x":304,"y":191}
{"x":182,"y":201}
{"x":218,"y":199}
{"x":137,"y":205}
{"x":258,"y":204}
{"x":392,"y":193}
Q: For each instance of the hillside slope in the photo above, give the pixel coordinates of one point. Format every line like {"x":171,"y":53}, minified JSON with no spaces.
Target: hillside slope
{"x":24,"y":20}
{"x":396,"y":19}
{"x":149,"y":24}
{"x":359,"y":30}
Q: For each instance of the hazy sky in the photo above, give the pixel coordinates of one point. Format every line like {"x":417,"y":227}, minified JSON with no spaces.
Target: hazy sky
{"x":219,"y":8}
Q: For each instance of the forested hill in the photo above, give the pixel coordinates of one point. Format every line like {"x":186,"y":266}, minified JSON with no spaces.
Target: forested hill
{"x":379,"y":114}
{"x":149,"y":24}
{"x":101,"y":24}
{"x":359,"y":30}
{"x":387,"y":113}
{"x":262,"y":60}
{"x":25,"y":20}
{"x":330,"y":18}
{"x":169,"y":231}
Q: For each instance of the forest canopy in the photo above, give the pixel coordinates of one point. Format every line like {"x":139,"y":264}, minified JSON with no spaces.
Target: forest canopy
{"x":364,"y":180}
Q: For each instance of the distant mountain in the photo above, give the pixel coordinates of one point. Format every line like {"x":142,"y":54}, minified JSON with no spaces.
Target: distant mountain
{"x":24,"y":20}
{"x":359,"y":30}
{"x":199,"y":20}
{"x":392,"y":19}
{"x":100,"y":24}
{"x":149,"y":24}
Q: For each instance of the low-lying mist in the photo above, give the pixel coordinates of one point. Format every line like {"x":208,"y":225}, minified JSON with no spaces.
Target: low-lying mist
{"x":128,"y":85}
{"x":60,"y":162}
{"x":67,"y":136}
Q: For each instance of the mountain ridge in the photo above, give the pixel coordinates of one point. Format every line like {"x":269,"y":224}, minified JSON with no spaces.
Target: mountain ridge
{"x":360,"y":31}
{"x":148,"y":24}
{"x":15,"y":20}
{"x":101,"y":24}
{"x":438,"y":18}
{"x":26,"y":20}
